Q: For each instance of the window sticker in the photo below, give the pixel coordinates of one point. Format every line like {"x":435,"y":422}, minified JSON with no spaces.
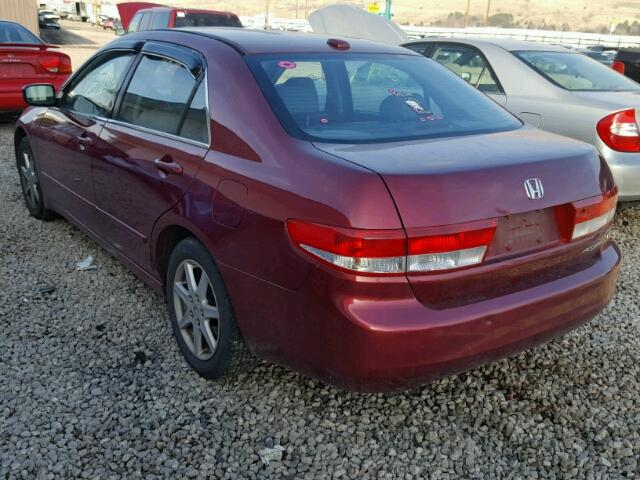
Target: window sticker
{"x":287,"y":64}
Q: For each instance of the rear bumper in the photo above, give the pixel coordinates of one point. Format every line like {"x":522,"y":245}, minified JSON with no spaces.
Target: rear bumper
{"x":390,"y":342}
{"x":625,"y":168}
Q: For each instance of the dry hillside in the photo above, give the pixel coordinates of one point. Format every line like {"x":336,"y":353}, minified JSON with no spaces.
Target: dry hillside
{"x":594,"y":15}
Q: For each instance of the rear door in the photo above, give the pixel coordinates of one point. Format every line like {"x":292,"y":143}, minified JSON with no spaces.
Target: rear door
{"x":154,"y":145}
{"x":472,"y":66}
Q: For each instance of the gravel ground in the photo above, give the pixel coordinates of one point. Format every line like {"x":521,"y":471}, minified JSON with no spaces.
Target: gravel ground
{"x":92,"y":386}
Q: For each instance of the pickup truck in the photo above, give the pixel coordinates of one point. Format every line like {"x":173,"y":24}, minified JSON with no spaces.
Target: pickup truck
{"x":139,"y":16}
{"x":627,"y":62}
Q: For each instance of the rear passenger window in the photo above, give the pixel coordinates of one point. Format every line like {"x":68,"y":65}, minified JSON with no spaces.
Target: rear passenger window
{"x":134,"y":24}
{"x":195,"y":126}
{"x":468,"y":64}
{"x":146,"y":20}
{"x":157,"y":95}
{"x":160,"y":20}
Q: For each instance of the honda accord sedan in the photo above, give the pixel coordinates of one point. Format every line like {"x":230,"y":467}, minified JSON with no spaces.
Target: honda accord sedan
{"x":556,"y":89}
{"x":351,"y":210}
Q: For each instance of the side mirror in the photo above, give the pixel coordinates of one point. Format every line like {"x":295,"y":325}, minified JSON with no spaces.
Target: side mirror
{"x":120,"y":31}
{"x":41,"y":95}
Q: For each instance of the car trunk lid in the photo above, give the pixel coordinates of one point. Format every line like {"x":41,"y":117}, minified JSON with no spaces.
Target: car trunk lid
{"x":468,"y":181}
{"x":22,"y":61}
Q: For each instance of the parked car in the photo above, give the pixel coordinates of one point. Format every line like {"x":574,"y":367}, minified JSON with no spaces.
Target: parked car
{"x":106,"y":22}
{"x":349,"y":209}
{"x":555,"y":89}
{"x":605,"y":57}
{"x":25,"y":59}
{"x":627,"y":62}
{"x":48,"y":19}
{"x":135,"y":17}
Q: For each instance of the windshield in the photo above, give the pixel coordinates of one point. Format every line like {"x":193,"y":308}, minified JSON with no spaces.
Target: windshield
{"x":574,"y":71}
{"x":190,"y":19}
{"x":14,"y":33}
{"x":352,"y":98}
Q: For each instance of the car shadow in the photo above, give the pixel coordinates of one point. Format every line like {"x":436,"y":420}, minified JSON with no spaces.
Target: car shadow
{"x":64,"y":37}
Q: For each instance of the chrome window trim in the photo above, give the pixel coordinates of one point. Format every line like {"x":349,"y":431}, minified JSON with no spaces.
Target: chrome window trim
{"x":159,"y":133}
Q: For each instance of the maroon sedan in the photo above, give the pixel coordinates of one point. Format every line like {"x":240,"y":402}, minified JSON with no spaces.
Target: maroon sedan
{"x":351,"y":210}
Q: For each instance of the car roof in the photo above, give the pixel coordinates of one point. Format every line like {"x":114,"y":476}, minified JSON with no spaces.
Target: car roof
{"x":187,"y":10}
{"x":249,"y":41}
{"x":506,"y":43}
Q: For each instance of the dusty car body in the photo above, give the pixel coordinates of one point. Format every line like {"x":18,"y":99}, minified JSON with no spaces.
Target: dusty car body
{"x":349,"y":227}
{"x":555,"y":89}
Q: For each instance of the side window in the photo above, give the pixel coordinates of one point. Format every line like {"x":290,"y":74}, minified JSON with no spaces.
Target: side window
{"x":421,"y":48}
{"x":468,"y":64}
{"x":146,"y":21}
{"x":134,"y":24}
{"x":196,"y":120}
{"x":157,"y":95}
{"x":160,"y":20}
{"x":94,"y":92}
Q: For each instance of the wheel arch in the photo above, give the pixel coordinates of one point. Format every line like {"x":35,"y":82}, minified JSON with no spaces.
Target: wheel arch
{"x":18,"y":136}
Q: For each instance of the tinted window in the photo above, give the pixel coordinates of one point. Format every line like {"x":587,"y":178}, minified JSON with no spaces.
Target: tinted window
{"x":469,"y":65}
{"x":145,"y":21}
{"x":575,"y":71}
{"x":158,"y":94}
{"x":188,"y":19}
{"x":369,"y":98}
{"x":134,"y":24}
{"x":160,"y":20}
{"x":196,"y":121}
{"x":94,"y":91}
{"x":14,"y":33}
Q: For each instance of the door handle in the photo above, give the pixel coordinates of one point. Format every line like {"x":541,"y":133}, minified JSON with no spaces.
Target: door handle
{"x":84,"y":141}
{"x":168,"y":166}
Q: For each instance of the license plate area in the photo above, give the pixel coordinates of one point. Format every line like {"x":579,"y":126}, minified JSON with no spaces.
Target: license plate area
{"x":524,"y":232}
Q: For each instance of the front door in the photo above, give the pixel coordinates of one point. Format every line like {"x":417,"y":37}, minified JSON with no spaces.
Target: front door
{"x":70,"y":131}
{"x":154,"y":146}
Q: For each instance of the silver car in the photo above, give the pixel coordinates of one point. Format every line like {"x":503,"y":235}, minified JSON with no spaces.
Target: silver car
{"x":556,"y":89}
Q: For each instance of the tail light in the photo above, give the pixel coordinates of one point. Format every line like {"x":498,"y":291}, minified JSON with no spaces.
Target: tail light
{"x":582,"y":218}
{"x":55,"y":63}
{"x":392,"y":252}
{"x":618,"y":66}
{"x":619,"y":131}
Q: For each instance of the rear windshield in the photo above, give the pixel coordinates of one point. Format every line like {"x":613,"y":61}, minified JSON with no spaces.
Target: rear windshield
{"x":575,"y":71}
{"x":14,"y":33}
{"x":353,"y":98}
{"x":186,"y":19}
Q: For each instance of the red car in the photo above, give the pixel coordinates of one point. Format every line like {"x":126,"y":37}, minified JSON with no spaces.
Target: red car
{"x":349,"y":209}
{"x":25,"y":59}
{"x":140,"y":16}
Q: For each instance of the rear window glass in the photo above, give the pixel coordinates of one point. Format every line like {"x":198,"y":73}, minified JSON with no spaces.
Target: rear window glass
{"x":14,"y":33}
{"x":574,"y":71}
{"x":351,"y":98}
{"x":134,"y":25}
{"x":188,"y":19}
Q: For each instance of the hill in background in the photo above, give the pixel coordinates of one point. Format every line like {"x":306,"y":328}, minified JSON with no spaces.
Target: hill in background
{"x":582,"y":15}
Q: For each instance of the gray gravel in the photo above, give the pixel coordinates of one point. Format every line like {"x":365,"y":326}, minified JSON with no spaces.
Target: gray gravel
{"x":92,"y":386}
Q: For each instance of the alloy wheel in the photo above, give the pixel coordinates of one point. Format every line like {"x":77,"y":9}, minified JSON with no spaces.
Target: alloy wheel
{"x":196,"y":309}
{"x":29,"y":180}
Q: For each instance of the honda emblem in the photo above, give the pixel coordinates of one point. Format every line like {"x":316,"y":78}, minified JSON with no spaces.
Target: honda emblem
{"x":534,"y":189}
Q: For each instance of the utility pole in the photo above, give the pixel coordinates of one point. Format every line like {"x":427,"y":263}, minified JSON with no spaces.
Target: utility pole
{"x":486,"y":16}
{"x":306,"y":8}
{"x":466,"y":14}
{"x":266,"y":15}
{"x":297,"y":2}
{"x":387,"y":10}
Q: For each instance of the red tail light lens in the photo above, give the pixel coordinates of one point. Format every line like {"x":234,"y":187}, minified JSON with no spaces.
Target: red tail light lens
{"x":619,"y":131}
{"x":390,"y":252}
{"x":618,"y":66}
{"x":55,"y":63}
{"x":582,"y":218}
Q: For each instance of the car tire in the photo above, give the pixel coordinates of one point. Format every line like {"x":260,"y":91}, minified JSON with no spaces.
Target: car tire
{"x":30,"y":182}
{"x":212,"y":346}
